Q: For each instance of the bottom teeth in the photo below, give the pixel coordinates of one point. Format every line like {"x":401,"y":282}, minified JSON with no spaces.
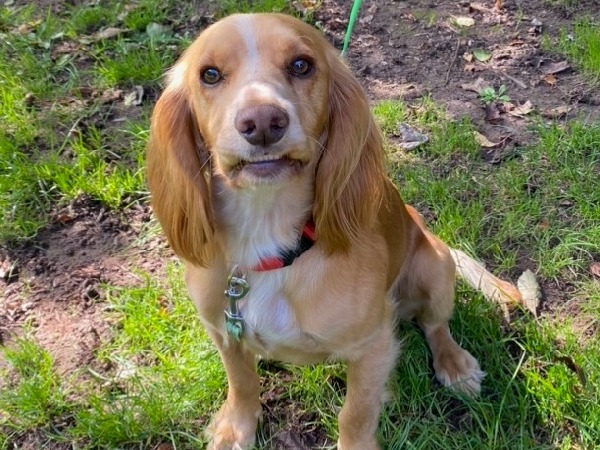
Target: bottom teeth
{"x":262,"y":159}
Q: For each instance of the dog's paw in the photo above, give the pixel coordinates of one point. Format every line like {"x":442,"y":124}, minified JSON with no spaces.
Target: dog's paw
{"x":371,"y":445}
{"x":233,"y":428}
{"x":457,"y":369}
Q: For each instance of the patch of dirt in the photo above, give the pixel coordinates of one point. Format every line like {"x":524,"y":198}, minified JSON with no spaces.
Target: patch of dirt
{"x":285,"y":424}
{"x":408,"y":49}
{"x":53,"y":284}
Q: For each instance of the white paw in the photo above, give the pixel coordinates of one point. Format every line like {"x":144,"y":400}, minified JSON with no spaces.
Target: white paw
{"x":231,"y":430}
{"x":459,"y":371}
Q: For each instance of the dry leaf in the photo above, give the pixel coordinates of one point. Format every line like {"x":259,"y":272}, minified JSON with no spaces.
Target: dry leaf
{"x":135,"y":97}
{"x":544,"y":224}
{"x":557,"y":112}
{"x":477,"y":86}
{"x":26,"y":28}
{"x":549,"y":79}
{"x":109,"y":33}
{"x":411,"y":138}
{"x":483,"y":141}
{"x":126,"y":370}
{"x":468,"y":57}
{"x":309,"y":4}
{"x":111,"y":95}
{"x":595,"y":269}
{"x":480,"y":8}
{"x":554,"y":68}
{"x":522,"y":110}
{"x":492,"y":113}
{"x":164,"y":446}
{"x":473,"y":68}
{"x":464,"y":22}
{"x":530,"y":291}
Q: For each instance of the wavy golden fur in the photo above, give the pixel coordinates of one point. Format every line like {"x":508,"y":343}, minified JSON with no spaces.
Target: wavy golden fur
{"x":262,"y":128}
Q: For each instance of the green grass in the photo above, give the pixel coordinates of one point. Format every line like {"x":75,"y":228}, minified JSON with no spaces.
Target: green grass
{"x":51,"y":149}
{"x":163,"y":378}
{"x":581,"y":44}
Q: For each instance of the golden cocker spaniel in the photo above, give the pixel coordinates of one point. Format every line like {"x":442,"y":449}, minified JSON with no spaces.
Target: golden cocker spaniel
{"x":267,"y":175}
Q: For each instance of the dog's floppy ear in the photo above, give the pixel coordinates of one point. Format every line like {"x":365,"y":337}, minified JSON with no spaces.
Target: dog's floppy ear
{"x":176,"y":171}
{"x":349,"y":186}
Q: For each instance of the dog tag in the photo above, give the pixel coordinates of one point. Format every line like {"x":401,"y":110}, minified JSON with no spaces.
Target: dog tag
{"x":234,"y":326}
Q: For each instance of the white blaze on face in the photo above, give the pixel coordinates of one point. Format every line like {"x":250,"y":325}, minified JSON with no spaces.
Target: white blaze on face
{"x":258,"y":88}
{"x":246,"y":27}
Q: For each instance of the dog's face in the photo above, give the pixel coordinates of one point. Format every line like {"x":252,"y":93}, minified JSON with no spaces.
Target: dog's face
{"x":262,"y":100}
{"x":258,"y":87}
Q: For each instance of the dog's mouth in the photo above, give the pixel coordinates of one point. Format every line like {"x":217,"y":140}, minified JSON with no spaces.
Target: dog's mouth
{"x":267,"y":166}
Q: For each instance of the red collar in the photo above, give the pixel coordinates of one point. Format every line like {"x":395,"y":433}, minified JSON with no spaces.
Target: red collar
{"x":287,"y":257}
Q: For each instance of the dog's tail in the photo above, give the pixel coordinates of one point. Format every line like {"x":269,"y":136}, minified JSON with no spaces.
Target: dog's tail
{"x":477,"y":276}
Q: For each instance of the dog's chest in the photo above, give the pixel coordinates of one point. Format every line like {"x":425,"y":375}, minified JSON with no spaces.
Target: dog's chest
{"x":271,"y":326}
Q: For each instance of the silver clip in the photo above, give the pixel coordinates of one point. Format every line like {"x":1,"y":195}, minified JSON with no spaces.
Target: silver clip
{"x":237,"y":288}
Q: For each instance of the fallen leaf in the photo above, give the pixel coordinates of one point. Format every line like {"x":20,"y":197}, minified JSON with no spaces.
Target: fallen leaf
{"x":530,"y":291}
{"x":309,"y":4}
{"x":164,"y":446}
{"x":554,"y":68}
{"x":66,"y":47}
{"x":65,"y":218}
{"x":521,"y":110}
{"x":544,"y":224}
{"x":26,"y":28}
{"x":480,"y":8}
{"x":549,"y":79}
{"x":411,"y":138}
{"x":481,"y":54}
{"x":125,"y":370}
{"x":111,"y":95}
{"x":464,"y":22}
{"x":473,"y":68}
{"x":477,"y":86}
{"x":468,"y":57}
{"x":595,"y":269}
{"x":135,"y":97}
{"x":492,"y":113}
{"x":109,"y":33}
{"x":557,"y":112}
{"x":483,"y":141}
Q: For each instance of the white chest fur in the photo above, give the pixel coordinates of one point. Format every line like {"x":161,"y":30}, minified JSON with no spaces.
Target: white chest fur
{"x":271,"y":326}
{"x":258,"y":224}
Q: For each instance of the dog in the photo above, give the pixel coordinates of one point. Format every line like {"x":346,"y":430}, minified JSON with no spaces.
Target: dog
{"x":267,"y":175}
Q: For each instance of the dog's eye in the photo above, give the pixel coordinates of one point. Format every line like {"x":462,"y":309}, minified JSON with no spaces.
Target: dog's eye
{"x":211,"y":76}
{"x":300,"y":67}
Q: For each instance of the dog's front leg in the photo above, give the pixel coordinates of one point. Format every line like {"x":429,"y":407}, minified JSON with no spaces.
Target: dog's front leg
{"x":366,"y":380}
{"x":233,"y":427}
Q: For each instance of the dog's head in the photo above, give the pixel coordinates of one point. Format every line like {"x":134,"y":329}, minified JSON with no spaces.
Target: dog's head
{"x":259,"y":100}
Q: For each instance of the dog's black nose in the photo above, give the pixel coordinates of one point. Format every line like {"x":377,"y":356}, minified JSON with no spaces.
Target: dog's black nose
{"x":262,"y":124}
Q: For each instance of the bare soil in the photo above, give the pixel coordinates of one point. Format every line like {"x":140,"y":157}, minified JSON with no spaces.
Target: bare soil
{"x":53,"y":284}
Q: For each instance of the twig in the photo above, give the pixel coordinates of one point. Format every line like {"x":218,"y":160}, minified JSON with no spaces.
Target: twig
{"x":480,"y":8}
{"x":518,"y":82}
{"x":452,"y":61}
